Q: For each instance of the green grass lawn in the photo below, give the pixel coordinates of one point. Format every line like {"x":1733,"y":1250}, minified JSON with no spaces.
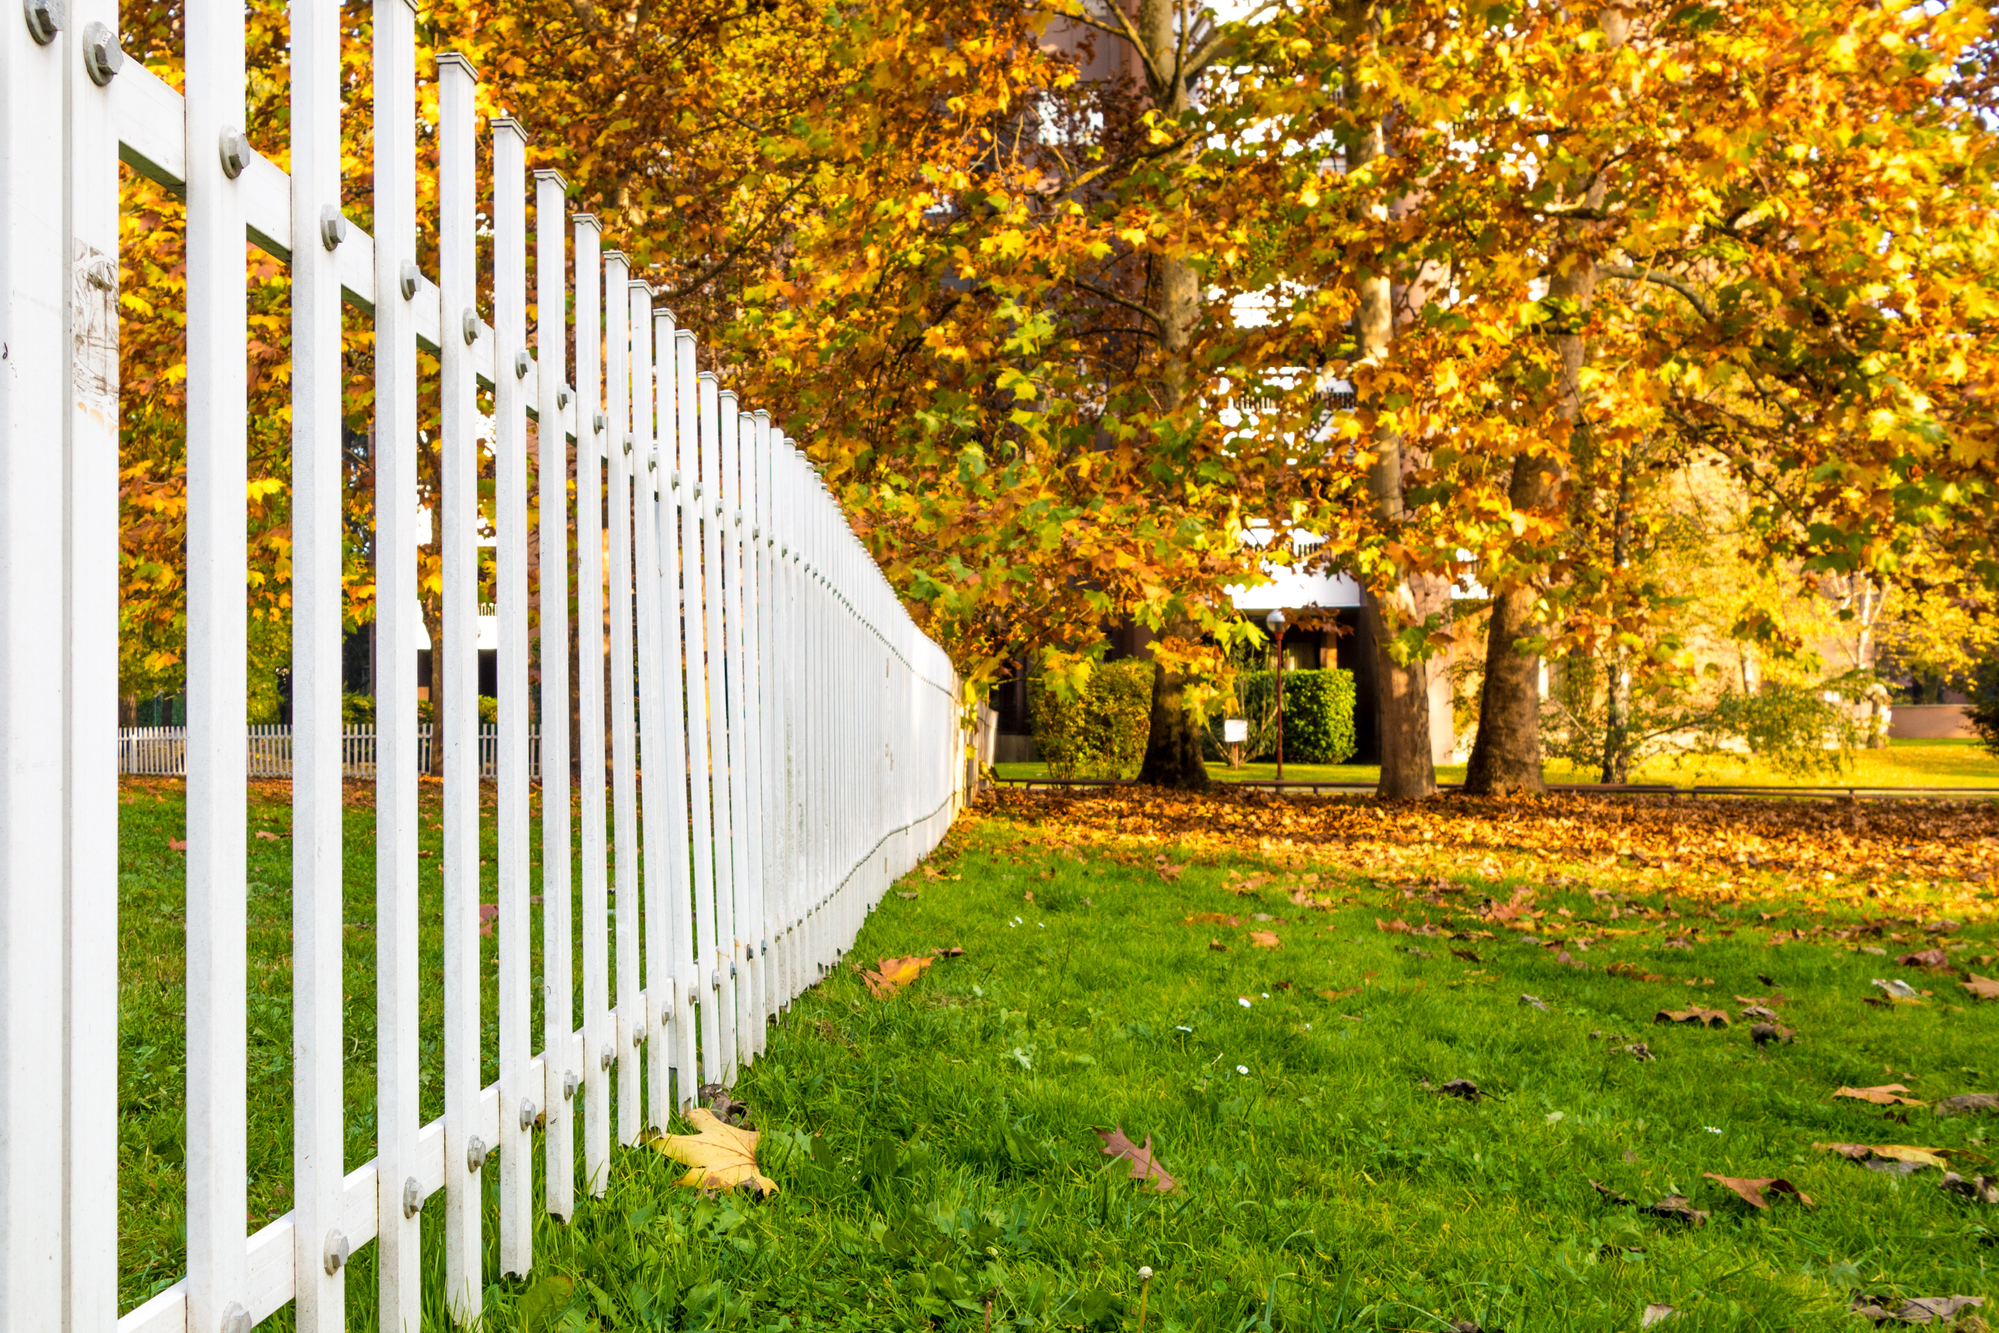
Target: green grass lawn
{"x":935,"y":1150}
{"x":1928,"y":763}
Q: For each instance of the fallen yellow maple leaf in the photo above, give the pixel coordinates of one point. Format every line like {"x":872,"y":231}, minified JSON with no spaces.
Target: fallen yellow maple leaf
{"x":894,"y":974}
{"x":1887,"y":1094}
{"x":719,"y":1157}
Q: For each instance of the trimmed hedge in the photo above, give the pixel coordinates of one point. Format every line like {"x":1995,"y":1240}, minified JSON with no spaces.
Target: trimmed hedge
{"x":1318,"y":712}
{"x":1101,"y":733}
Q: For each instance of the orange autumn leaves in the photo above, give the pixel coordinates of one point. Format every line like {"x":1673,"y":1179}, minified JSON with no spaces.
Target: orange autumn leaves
{"x":891,"y":976}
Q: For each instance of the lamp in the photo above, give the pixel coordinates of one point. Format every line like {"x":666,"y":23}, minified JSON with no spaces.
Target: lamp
{"x":1276,"y":621}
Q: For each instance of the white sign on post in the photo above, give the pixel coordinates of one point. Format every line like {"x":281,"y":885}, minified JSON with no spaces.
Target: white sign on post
{"x":1235,"y":731}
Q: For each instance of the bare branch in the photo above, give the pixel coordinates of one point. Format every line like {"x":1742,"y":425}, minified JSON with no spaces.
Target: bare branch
{"x":728,"y":261}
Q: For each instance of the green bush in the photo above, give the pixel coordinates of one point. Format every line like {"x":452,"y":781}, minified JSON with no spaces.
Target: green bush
{"x":1099,"y":733}
{"x":1318,"y":713}
{"x":1985,"y":705}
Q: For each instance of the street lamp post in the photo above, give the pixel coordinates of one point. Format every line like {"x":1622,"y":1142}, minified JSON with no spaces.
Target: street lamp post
{"x":1276,"y":621}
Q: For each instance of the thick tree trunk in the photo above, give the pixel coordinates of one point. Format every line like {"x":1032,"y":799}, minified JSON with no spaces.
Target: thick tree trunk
{"x":1617,"y":710}
{"x":1173,"y":743}
{"x":1396,"y":600}
{"x":1506,"y":757}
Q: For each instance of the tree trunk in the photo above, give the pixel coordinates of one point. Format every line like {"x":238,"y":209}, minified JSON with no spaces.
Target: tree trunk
{"x":1395,"y":600}
{"x":433,"y":621}
{"x":1173,"y":750}
{"x":1506,"y":757}
{"x":1172,"y":743}
{"x":1617,"y":711}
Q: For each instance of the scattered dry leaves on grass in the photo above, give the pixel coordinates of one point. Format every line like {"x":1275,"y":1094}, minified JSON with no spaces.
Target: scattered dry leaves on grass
{"x":1929,"y":858}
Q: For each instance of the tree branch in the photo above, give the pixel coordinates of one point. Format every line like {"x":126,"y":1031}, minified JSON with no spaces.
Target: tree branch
{"x":1679,"y":285}
{"x":1135,"y":307}
{"x":727,"y":261}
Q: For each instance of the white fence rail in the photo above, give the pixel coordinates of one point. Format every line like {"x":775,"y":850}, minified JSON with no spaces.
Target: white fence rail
{"x":161,"y":752}
{"x":798,"y":738}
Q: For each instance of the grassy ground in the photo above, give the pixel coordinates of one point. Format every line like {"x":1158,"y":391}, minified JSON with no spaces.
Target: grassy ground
{"x":1903,"y":764}
{"x":935,"y":1150}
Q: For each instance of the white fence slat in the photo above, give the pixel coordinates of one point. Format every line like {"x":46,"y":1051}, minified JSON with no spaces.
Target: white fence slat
{"x":598,"y":1049}
{"x":35,"y":276}
{"x":756,"y":936}
{"x":514,"y":1144}
{"x":628,"y":311}
{"x":211,"y":750}
{"x":318,"y":537}
{"x":392,"y":757}
{"x":89,"y":1074}
{"x":657,"y":825}
{"x":464,"y":1145}
{"x":551,"y":348}
{"x":689,"y":394}
{"x":728,"y":518}
{"x":721,"y":1064}
{"x":674,"y":976}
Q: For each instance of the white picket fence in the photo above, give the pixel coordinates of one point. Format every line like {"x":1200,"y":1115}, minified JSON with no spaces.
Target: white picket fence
{"x":161,"y":752}
{"x":799,"y":738}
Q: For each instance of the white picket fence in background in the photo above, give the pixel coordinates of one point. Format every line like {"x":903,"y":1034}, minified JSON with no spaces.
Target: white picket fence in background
{"x":161,"y":752}
{"x":799,"y":738}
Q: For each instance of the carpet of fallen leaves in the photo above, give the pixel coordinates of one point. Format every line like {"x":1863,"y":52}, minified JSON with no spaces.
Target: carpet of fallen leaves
{"x":1925,"y":859}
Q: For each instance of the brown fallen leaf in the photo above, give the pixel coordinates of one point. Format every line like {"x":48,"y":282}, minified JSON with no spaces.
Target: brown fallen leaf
{"x":1888,"y":1094}
{"x":1534,"y":1000}
{"x":1264,"y":939}
{"x":1462,"y":1087}
{"x":176,"y":844}
{"x":1901,"y":1154}
{"x":1930,"y":958}
{"x":1653,"y":1314}
{"x":1672,"y":1208}
{"x":268,"y":836}
{"x":911,"y":894}
{"x":1760,"y":1001}
{"x":1968,"y":1103}
{"x":1396,"y":927}
{"x":1144,"y":1166}
{"x":1708,"y":1018}
{"x":1028,"y":896}
{"x":1632,"y":971}
{"x":1919,"y":1310}
{"x":1167,"y":870}
{"x":719,"y":1156}
{"x":895,"y":974}
{"x":1978,"y":1189}
{"x":1640,"y":1052}
{"x":1466,"y":954}
{"x":1676,"y":1208}
{"x":1765,"y":1033}
{"x":1758,"y":1011}
{"x":1339,"y":994}
{"x":489,"y":918}
{"x":1750,"y":1189}
{"x":1218,"y":946}
{"x":1981,"y":988}
{"x":1211,"y":919}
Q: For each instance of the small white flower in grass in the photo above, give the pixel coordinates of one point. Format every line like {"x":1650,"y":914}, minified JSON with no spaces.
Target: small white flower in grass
{"x":1711,"y":1129}
{"x":1144,"y":1274}
{"x":1242,"y":1000}
{"x":1265,"y":994}
{"x":1043,"y":925}
{"x":1556,"y":1117}
{"x":1242,"y":1069}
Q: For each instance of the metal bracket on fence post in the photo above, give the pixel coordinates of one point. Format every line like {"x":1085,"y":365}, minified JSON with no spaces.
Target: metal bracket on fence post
{"x":570,"y":1084}
{"x":606,"y":1056}
{"x":475,"y":1154}
{"x":336,"y":1251}
{"x":412,"y":1197}
{"x":528,"y":1113}
{"x":235,"y":1319}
